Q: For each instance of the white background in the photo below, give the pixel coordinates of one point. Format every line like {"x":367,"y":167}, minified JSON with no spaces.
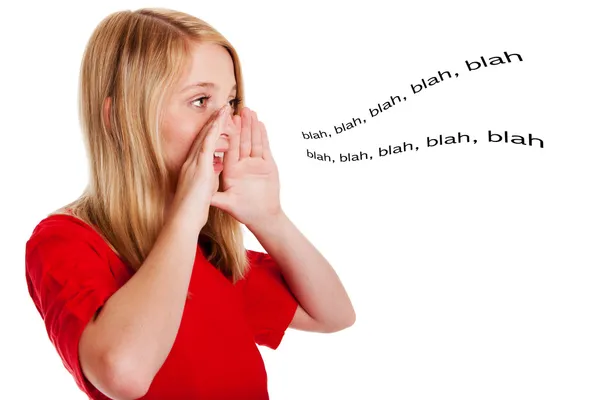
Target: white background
{"x":473,"y":268}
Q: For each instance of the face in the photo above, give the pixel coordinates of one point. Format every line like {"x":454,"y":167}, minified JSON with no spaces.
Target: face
{"x":206,"y":86}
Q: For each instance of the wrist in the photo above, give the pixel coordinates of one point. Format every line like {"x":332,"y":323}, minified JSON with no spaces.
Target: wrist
{"x":268,"y":223}
{"x":189,"y":214}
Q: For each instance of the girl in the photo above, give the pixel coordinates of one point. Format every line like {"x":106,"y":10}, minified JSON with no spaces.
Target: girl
{"x":143,"y":282}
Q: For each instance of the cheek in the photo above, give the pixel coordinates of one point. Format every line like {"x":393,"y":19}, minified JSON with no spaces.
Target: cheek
{"x":178,"y":138}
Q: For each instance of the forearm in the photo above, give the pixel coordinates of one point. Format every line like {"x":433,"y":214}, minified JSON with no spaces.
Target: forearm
{"x":309,"y":275}
{"x":138,"y":324}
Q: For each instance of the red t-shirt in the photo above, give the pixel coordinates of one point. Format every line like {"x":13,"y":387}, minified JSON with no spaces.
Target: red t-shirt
{"x":71,"y":272}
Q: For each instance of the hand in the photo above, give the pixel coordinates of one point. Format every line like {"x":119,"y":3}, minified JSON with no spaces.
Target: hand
{"x":198,"y":178}
{"x":250,"y":180}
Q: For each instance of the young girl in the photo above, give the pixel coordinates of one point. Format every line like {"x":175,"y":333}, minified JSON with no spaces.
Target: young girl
{"x":143,"y":283}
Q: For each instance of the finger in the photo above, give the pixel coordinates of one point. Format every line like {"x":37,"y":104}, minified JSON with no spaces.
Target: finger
{"x":256,"y":137}
{"x":233,"y":153}
{"x":209,"y":145}
{"x":266,"y":149}
{"x":245,"y":133}
{"x":195,"y":148}
{"x":209,"y":133}
{"x":237,"y":121}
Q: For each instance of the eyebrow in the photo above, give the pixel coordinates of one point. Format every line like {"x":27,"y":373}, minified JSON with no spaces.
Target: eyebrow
{"x":205,"y":85}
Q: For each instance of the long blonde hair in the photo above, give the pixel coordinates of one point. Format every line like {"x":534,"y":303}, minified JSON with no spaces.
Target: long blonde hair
{"x":135,"y":58}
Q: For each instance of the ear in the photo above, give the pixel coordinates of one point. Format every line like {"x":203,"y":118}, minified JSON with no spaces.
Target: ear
{"x":106,"y":111}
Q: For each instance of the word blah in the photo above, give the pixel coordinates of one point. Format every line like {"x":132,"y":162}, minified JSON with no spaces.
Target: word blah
{"x":491,"y":61}
{"x":315,"y":135}
{"x":349,"y":125}
{"x":317,"y":156}
{"x":384,"y":106}
{"x":516,"y":139}
{"x":431,"y":142}
{"x":354,"y":157}
{"x":395,"y":149}
{"x":416,"y":88}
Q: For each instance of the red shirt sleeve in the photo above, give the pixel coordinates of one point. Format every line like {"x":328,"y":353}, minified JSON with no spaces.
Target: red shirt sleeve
{"x":68,"y":281}
{"x":269,"y":303}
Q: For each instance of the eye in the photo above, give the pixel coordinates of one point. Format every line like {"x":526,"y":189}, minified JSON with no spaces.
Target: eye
{"x":235,"y":102}
{"x":205,"y":98}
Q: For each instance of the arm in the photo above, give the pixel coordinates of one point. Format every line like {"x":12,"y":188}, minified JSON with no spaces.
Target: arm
{"x":122,"y":350}
{"x":324,"y":305}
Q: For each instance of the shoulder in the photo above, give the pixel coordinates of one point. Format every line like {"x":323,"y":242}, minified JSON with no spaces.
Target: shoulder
{"x":64,"y":258}
{"x":259,"y":259}
{"x":261,"y":265}
{"x":63,"y":234}
{"x":60,"y":226}
{"x":57,"y":223}
{"x":262,"y":269}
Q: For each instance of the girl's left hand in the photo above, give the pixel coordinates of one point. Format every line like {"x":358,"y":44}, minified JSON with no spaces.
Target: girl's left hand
{"x":250,"y":180}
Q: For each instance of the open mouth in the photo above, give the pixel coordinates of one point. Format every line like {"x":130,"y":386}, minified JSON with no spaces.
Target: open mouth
{"x":218,"y":157}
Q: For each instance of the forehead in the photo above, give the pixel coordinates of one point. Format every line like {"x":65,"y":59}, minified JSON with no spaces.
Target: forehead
{"x":209,"y":62}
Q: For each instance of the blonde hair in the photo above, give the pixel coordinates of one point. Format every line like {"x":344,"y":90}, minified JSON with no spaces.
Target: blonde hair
{"x":135,"y":58}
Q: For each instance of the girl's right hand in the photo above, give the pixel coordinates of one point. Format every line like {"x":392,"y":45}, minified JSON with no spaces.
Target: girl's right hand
{"x":199,"y":178}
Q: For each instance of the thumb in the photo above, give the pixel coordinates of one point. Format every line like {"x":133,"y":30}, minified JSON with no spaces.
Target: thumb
{"x":221,"y":200}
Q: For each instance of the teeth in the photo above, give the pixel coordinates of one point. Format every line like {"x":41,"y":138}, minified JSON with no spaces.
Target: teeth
{"x":219,"y":154}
